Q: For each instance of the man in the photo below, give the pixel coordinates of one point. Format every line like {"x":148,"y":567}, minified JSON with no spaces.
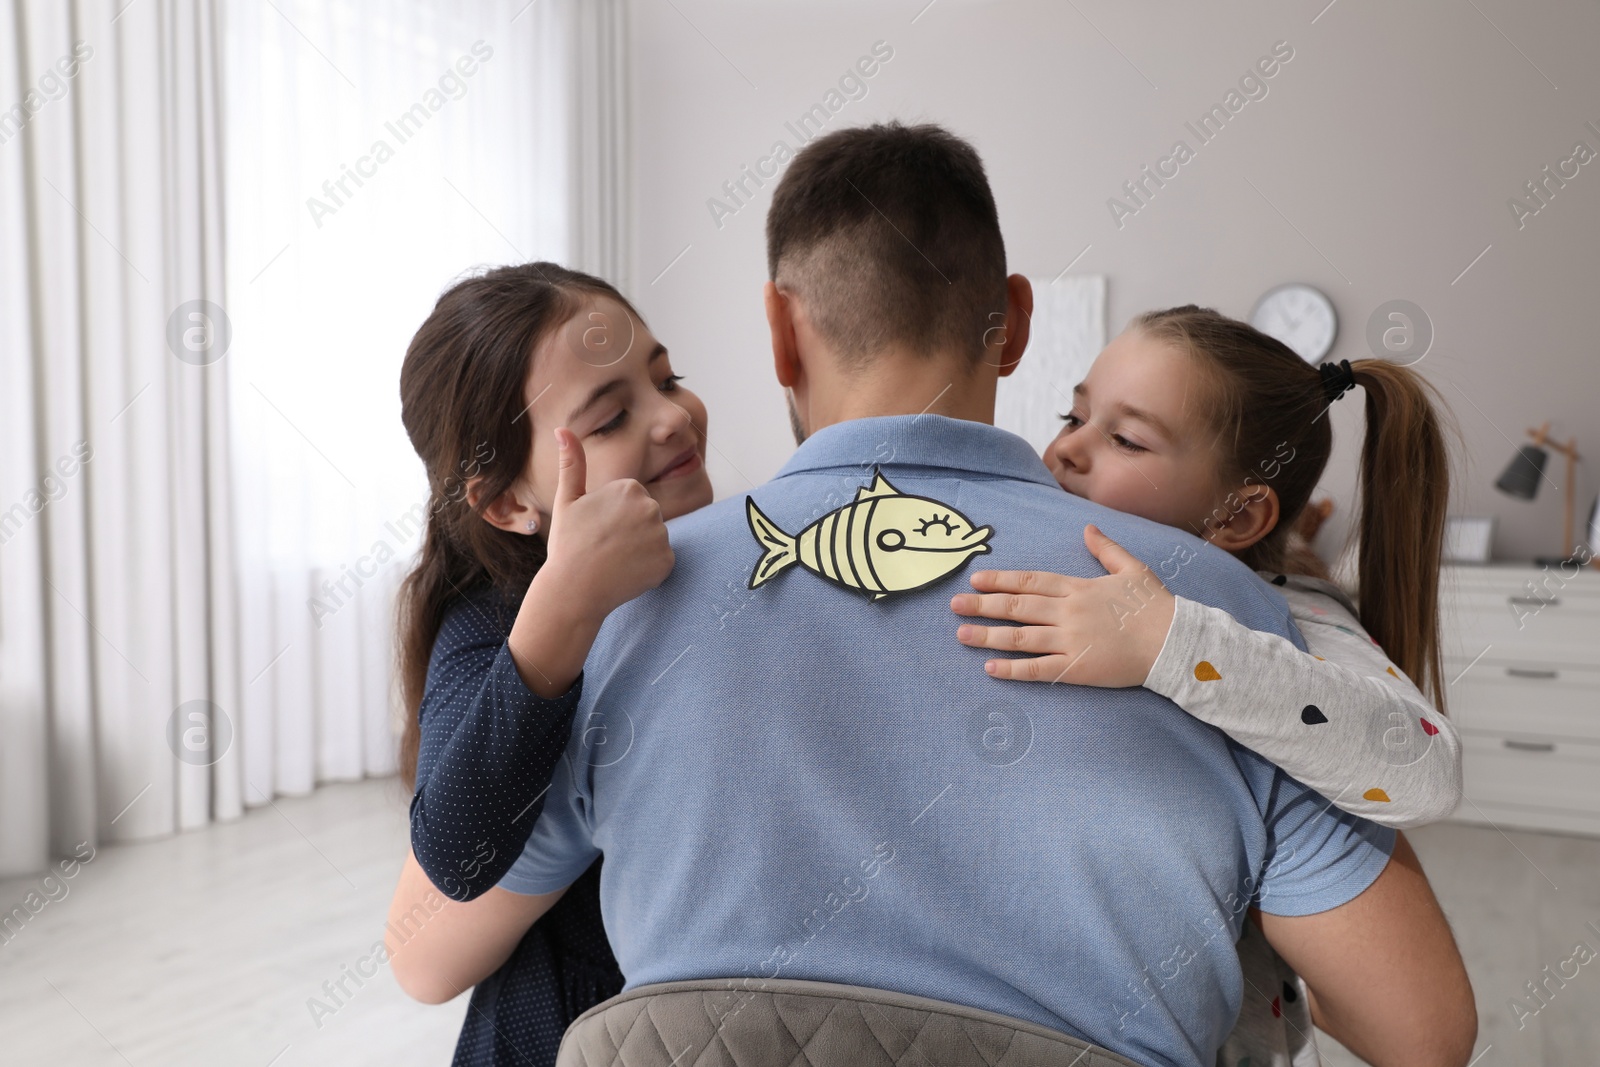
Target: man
{"x":821,"y":783}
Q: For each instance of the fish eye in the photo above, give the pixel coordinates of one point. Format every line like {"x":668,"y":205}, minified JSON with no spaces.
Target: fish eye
{"x":899,"y":540}
{"x":941,"y":520}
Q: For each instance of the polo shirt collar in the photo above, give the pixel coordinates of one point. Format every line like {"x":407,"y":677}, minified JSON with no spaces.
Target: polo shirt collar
{"x":920,"y":440}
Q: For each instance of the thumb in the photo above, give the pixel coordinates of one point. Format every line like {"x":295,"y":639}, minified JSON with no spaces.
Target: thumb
{"x":1112,"y":556}
{"x":571,"y":470}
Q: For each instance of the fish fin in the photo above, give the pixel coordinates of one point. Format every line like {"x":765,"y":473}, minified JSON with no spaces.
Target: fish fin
{"x":780,"y":547}
{"x":879,"y":596}
{"x":880,"y":487}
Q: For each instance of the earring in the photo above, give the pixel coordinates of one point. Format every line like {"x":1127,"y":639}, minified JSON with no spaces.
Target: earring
{"x":533,"y":524}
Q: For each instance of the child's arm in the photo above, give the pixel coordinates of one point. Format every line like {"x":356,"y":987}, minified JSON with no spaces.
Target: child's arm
{"x":489,"y":747}
{"x":440,"y":948}
{"x":1338,"y":717}
{"x":501,"y":715}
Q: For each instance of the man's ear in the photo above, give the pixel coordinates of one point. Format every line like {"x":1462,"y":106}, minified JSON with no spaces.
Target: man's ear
{"x":1251,"y":512}
{"x":1019,"y":322}
{"x":504,"y":512}
{"x":780,"y":321}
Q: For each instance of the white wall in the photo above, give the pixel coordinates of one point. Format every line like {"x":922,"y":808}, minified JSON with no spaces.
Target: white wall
{"x":1378,"y":166}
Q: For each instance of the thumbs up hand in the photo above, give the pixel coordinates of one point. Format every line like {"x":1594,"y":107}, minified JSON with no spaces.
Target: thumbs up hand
{"x":608,"y":545}
{"x":1104,"y":631}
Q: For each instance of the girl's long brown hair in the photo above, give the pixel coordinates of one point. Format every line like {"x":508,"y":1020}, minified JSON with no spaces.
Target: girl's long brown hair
{"x":1269,"y":404}
{"x":461,"y":399}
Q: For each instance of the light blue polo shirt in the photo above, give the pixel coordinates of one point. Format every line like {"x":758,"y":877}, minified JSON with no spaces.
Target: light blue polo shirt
{"x":807,"y":779}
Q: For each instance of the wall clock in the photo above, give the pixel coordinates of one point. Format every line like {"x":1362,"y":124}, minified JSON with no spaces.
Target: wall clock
{"x":1299,"y":315}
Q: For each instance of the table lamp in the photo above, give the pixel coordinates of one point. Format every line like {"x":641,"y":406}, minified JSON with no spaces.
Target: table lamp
{"x":1526,"y":470}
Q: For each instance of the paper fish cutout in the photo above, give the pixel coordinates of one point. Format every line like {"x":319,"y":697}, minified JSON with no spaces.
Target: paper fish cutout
{"x":883,"y":542}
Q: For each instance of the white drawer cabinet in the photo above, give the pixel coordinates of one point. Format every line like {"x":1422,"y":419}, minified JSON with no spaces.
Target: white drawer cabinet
{"x":1521,"y":698}
{"x":1522,"y":655}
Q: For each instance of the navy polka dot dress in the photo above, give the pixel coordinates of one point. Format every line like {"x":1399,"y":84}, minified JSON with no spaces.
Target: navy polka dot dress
{"x":489,"y":747}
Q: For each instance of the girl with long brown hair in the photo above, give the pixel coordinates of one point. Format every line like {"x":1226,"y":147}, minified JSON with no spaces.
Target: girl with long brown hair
{"x":1204,"y":423}
{"x":557,"y":442}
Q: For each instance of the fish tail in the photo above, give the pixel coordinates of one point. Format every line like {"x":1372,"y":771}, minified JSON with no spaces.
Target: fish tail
{"x":780,"y":547}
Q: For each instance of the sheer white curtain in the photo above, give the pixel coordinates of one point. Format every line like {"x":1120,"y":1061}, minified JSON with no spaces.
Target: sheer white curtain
{"x":377,"y":150}
{"x":217,"y":234}
{"x":116,"y":604}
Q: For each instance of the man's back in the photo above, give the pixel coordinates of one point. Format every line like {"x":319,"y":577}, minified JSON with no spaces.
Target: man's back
{"x":801,"y":780}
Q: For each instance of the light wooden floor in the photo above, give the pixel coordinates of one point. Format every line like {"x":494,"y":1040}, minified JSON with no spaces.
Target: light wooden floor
{"x":205,"y":948}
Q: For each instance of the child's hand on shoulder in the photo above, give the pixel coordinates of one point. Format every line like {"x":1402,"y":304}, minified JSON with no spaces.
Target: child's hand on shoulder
{"x":1104,"y":632}
{"x":603,"y":547}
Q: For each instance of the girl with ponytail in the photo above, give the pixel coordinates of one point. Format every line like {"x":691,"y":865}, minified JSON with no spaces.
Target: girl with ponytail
{"x":557,"y":441}
{"x":1204,"y":423}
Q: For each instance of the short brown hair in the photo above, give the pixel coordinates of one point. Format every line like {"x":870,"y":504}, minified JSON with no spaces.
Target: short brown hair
{"x":889,"y":234}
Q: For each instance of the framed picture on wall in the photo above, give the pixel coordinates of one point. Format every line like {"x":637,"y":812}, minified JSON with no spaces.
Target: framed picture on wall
{"x":1467,"y":538}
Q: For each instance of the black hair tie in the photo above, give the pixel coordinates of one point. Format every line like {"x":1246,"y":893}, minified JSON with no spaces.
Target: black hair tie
{"x":1337,"y":379}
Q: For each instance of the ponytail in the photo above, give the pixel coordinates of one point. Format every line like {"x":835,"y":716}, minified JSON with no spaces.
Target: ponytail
{"x":1403,"y":490}
{"x":1266,"y":403}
